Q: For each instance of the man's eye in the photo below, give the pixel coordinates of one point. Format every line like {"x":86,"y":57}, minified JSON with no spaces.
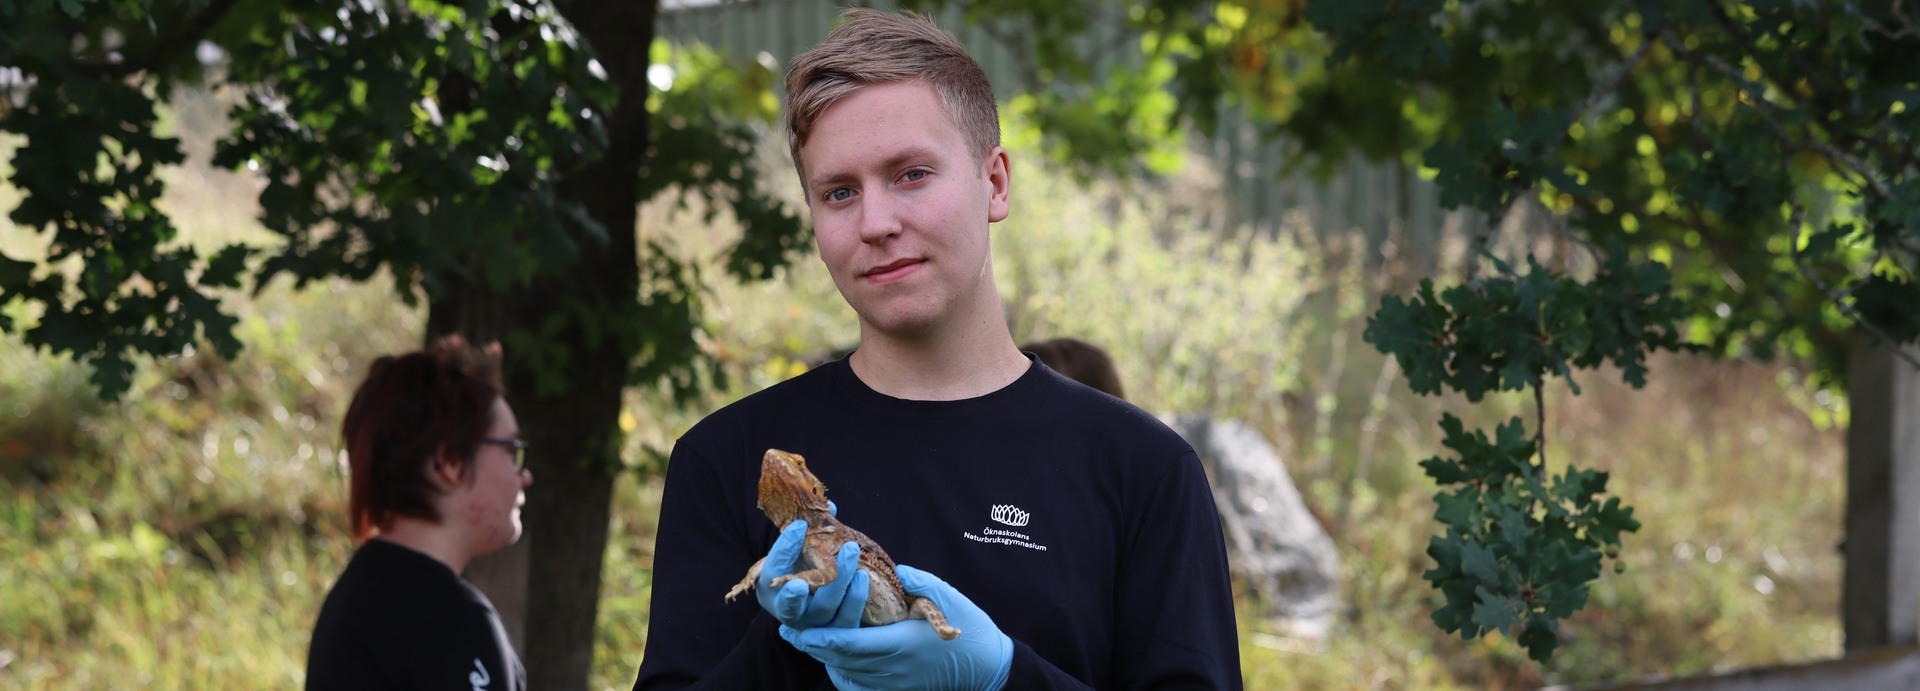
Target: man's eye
{"x":914,"y":175}
{"x":839,"y":194}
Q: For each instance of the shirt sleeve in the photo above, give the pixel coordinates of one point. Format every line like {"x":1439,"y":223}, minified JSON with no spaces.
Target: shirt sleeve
{"x":695,"y":639}
{"x":1030,"y":671}
{"x":1174,"y":609}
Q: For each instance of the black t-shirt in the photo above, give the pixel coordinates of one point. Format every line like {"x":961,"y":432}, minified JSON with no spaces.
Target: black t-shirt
{"x":399,"y":619}
{"x":1082,"y":525}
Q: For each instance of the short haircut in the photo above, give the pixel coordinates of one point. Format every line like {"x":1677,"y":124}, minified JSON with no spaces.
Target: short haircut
{"x":409,"y":410}
{"x":874,"y":47}
{"x":1081,"y":361}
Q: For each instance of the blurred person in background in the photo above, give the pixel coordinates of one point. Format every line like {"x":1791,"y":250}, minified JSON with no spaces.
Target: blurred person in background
{"x":1081,"y":361}
{"x":436,"y":479}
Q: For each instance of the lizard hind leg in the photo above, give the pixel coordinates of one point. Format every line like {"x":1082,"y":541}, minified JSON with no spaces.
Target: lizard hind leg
{"x":923,"y":608}
{"x":746,"y":584}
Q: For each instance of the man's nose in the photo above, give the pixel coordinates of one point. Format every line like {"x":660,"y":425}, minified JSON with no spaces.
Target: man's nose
{"x":879,"y":218}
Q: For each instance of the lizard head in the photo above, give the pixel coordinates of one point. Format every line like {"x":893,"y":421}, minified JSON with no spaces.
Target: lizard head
{"x":789,"y":491}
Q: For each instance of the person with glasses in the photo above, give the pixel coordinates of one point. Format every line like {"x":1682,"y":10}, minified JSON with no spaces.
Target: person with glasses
{"x":435,"y":478}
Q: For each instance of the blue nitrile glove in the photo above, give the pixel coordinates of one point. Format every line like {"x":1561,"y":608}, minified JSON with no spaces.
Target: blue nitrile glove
{"x":799,"y":605}
{"x":908,"y":654}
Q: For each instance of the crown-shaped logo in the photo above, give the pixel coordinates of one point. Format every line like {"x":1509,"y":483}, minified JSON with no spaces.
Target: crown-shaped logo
{"x":1006,"y":513}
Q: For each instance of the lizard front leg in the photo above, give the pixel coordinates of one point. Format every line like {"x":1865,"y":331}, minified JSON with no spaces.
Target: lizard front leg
{"x":816,"y":577}
{"x":816,"y":564}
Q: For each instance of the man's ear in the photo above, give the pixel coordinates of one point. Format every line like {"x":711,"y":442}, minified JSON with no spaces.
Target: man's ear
{"x":999,"y":174}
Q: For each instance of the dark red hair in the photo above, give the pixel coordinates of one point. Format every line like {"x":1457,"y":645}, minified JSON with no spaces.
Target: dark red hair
{"x":1081,"y":361}
{"x":410,"y":409}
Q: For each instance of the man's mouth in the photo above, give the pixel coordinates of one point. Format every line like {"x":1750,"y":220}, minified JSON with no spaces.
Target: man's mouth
{"x":891,"y":271}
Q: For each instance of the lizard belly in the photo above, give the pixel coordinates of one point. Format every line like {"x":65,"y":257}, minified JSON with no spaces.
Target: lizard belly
{"x":886,"y":602}
{"x":884,"y":605}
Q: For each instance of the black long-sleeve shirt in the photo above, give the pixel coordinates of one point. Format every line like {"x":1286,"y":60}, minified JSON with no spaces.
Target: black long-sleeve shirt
{"x":398,"y":619}
{"x":1079,"y":523}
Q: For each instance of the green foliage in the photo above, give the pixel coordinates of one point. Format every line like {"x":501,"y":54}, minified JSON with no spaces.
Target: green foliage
{"x":451,"y":144}
{"x":708,"y":118}
{"x":1506,"y":332}
{"x":1520,"y":550}
{"x":1518,"y":554}
{"x":363,"y":169}
{"x":1630,"y":143}
{"x":424,"y":142}
{"x":90,"y":174}
{"x":1707,"y":136}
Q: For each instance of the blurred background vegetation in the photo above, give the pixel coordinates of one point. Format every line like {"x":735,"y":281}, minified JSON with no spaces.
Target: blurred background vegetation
{"x":184,"y":536}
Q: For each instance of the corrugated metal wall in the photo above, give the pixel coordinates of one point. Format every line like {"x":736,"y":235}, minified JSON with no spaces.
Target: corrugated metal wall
{"x":1379,"y":201}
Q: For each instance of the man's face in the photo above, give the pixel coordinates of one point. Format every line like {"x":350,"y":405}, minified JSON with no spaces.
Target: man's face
{"x":900,"y":208}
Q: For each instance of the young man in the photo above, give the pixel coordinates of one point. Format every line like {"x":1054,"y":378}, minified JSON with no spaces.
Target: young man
{"x":1073,"y":537}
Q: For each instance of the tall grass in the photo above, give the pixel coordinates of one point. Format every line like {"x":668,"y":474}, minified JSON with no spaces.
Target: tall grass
{"x":184,"y":536}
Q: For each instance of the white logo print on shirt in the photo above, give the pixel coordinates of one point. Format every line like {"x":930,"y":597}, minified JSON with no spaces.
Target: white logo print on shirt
{"x":1006,"y":514}
{"x":479,"y":677}
{"x":1009,"y":514}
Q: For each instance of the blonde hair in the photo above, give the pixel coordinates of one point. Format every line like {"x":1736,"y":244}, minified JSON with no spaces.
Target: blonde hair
{"x":874,"y":47}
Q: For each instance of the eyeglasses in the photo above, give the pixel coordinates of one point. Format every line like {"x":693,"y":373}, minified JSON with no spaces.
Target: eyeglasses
{"x":517,"y":446}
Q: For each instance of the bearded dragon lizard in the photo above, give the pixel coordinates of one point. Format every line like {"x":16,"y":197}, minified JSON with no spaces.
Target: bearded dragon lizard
{"x":789,"y":492}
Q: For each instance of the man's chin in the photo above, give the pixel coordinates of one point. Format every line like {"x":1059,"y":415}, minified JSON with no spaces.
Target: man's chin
{"x":899,"y":324}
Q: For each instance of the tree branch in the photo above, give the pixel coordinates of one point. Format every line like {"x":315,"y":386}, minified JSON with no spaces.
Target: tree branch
{"x":1613,"y":83}
{"x":1540,"y":432}
{"x":184,"y":37}
{"x":1907,"y":29}
{"x":1697,"y":132}
{"x":1838,"y":299}
{"x":1477,"y":243}
{"x":1554,"y":220}
{"x":1752,"y":48}
{"x":1840,"y":159}
{"x":1817,"y":102}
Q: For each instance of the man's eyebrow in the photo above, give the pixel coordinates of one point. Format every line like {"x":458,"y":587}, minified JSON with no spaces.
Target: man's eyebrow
{"x":825,"y":180}
{"x":900,"y":158}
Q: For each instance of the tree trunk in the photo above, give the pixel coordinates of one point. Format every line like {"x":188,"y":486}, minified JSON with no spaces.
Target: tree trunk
{"x":547,"y":587}
{"x":575,"y":433}
{"x":569,"y":505}
{"x":1880,"y":597}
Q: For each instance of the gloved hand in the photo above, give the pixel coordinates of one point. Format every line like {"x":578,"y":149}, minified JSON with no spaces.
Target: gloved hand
{"x":799,"y":605}
{"x":908,"y":654}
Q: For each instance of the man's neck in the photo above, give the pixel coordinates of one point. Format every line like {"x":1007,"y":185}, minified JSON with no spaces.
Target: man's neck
{"x":965,"y":363}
